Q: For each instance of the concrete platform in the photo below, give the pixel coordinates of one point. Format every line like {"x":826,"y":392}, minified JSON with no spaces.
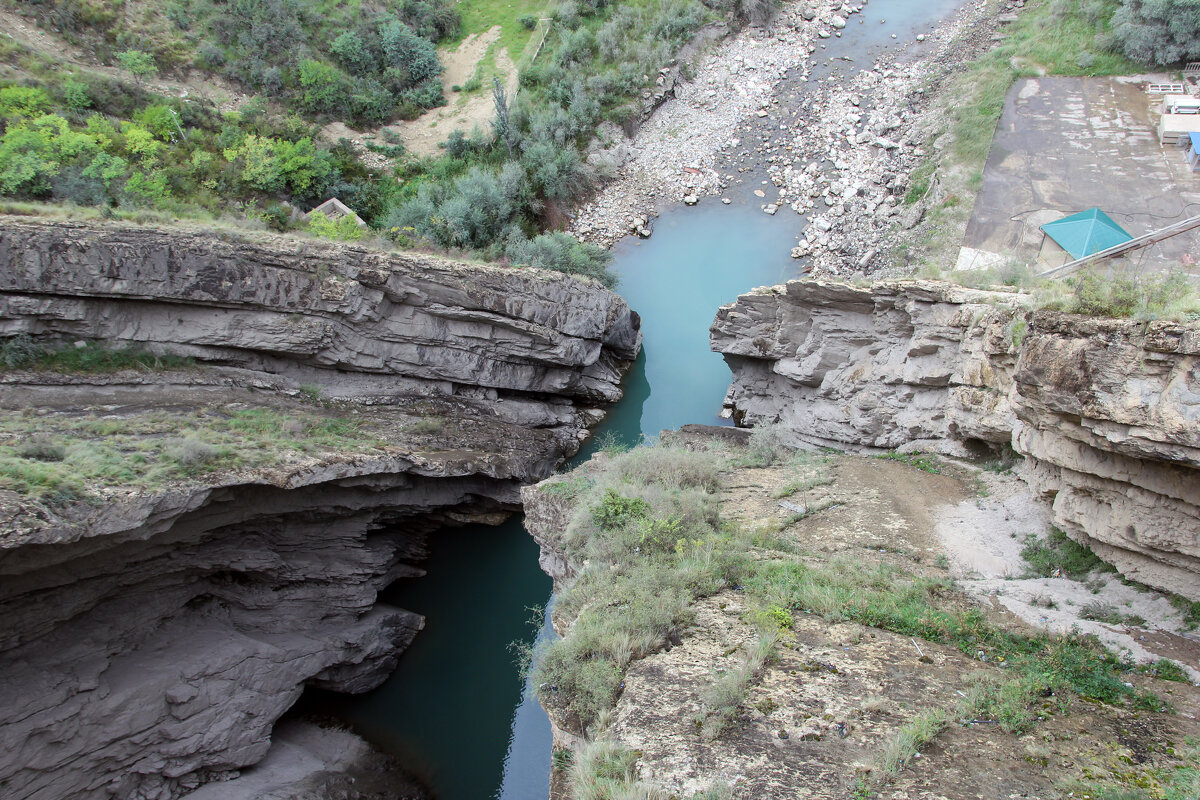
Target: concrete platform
{"x":1066,"y":144}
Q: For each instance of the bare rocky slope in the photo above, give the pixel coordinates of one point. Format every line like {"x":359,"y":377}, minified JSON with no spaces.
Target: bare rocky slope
{"x":155,"y":629}
{"x":1104,"y":412}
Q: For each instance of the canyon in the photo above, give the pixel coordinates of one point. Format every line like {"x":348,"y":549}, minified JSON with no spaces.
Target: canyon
{"x":159,"y":623}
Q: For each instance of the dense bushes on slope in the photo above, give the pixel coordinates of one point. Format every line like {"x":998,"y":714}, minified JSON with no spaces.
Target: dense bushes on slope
{"x":166,"y":154}
{"x":366,"y":64}
{"x":1158,"y":31}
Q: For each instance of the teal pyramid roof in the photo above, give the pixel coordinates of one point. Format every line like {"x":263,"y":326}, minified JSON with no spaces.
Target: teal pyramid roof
{"x":1086,"y":232}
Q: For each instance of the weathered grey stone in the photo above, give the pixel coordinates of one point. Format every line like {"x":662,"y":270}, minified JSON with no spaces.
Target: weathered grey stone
{"x":151,"y":638}
{"x":279,"y":303}
{"x":1105,"y":412}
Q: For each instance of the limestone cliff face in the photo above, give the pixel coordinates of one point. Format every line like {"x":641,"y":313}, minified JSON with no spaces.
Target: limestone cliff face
{"x":1104,"y":411}
{"x":1108,"y":418}
{"x":151,"y":637}
{"x":307,"y":308}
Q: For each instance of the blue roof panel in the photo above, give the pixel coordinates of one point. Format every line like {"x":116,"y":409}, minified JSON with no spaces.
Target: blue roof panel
{"x":1086,"y":233}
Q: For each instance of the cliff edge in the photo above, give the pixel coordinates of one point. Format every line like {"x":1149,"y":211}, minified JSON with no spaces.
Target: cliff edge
{"x":1104,"y":412}
{"x":199,"y":532}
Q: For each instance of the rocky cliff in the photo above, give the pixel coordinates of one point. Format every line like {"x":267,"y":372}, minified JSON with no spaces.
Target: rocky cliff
{"x":184,"y":550}
{"x":1104,"y":412}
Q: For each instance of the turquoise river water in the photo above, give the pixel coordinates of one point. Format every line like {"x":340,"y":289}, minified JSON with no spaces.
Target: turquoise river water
{"x":457,"y":712}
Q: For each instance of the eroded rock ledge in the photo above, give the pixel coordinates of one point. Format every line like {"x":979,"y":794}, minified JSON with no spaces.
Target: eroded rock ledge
{"x":155,"y":631}
{"x":1105,"y":412}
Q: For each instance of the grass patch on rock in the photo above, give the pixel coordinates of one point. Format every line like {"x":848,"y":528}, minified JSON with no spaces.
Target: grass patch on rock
{"x":647,"y":540}
{"x":21,"y":352}
{"x":75,"y":456}
{"x":1057,"y":555}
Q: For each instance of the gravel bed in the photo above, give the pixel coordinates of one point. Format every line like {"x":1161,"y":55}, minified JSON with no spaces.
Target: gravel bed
{"x":839,"y":151}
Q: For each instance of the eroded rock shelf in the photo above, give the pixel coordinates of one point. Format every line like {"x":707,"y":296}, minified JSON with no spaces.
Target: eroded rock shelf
{"x":156,"y":630}
{"x":1104,"y":412}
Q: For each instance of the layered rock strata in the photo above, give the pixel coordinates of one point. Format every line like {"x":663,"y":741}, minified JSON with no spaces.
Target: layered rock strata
{"x":1104,"y":412}
{"x":154,"y":631}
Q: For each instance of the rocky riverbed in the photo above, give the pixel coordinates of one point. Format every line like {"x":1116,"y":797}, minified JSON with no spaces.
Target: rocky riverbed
{"x":835,"y":146}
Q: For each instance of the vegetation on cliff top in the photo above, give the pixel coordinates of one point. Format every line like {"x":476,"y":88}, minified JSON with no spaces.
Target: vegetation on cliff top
{"x":647,"y":539}
{"x":73,"y":456}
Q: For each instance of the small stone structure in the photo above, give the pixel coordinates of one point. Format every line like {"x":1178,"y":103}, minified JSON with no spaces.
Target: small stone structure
{"x":335,"y":209}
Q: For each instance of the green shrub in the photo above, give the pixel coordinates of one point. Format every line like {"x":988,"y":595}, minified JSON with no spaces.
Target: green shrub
{"x":325,"y":87}
{"x":193,"y":454}
{"x":139,"y":63}
{"x":1058,"y":553}
{"x":562,"y":252}
{"x":23,"y":102}
{"x":767,"y":446}
{"x":652,"y":546}
{"x":19,"y":351}
{"x":344,"y":229}
{"x":76,"y":95}
{"x":614,"y":511}
{"x":1158,"y":31}
{"x":406,"y":51}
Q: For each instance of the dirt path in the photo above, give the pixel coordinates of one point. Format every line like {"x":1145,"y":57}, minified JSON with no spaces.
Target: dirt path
{"x":464,"y":112}
{"x":423,"y":135}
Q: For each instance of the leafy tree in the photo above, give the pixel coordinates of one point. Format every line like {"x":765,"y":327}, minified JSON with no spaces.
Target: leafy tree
{"x":271,"y":165}
{"x":138,"y":62}
{"x":304,"y":167}
{"x":408,"y":52}
{"x":106,"y":168}
{"x":158,"y":119}
{"x":26,"y":161}
{"x":260,"y":168}
{"x":1158,"y":31}
{"x":325,"y":88}
{"x":141,"y":142}
{"x":101,"y":129}
{"x":23,"y":101}
{"x":148,"y":187}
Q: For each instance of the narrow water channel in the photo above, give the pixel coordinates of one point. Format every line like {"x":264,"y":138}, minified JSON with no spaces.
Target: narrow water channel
{"x":456,"y":711}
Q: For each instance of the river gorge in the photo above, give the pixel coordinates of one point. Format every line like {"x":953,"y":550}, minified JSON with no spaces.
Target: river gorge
{"x":157,"y":634}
